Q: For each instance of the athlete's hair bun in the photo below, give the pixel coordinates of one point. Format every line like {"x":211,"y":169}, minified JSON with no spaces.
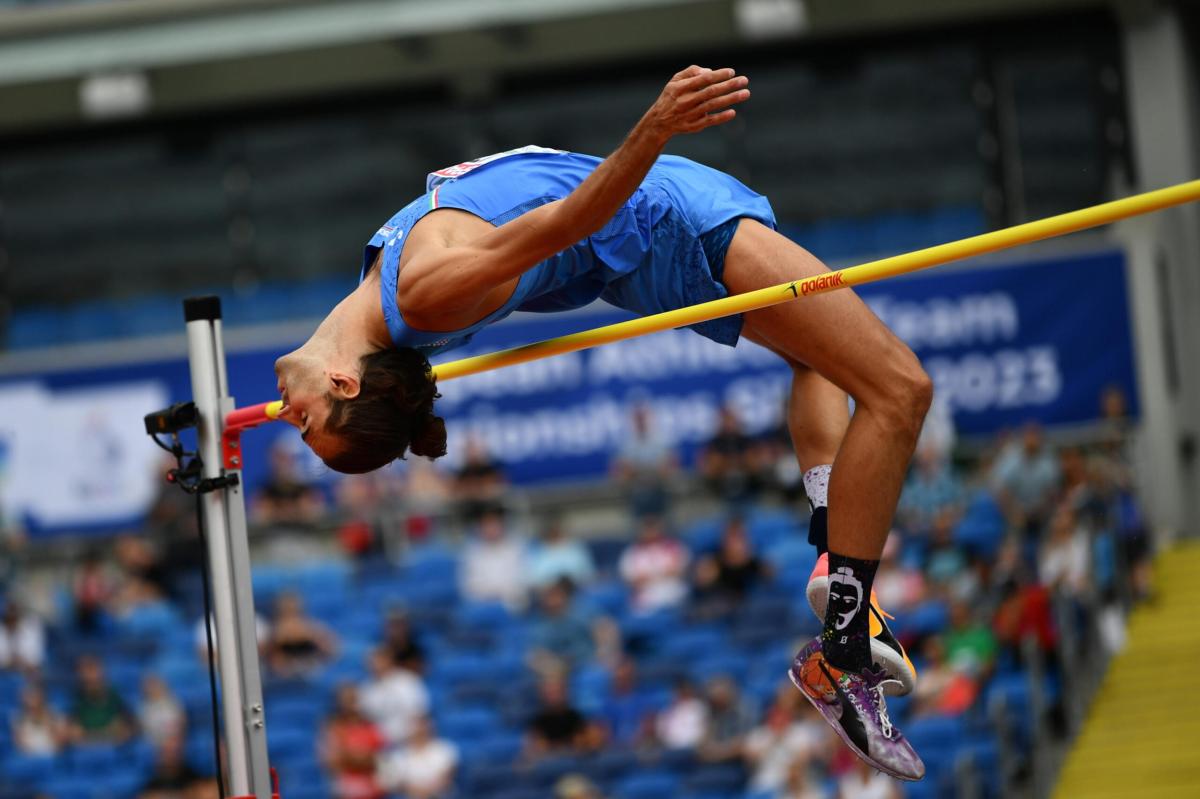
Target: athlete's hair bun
{"x":429,"y":437}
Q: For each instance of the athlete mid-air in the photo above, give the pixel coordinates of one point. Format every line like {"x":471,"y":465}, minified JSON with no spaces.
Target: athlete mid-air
{"x":544,"y":230}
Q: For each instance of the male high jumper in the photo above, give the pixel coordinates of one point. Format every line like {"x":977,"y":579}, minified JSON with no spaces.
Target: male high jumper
{"x":545,"y":230}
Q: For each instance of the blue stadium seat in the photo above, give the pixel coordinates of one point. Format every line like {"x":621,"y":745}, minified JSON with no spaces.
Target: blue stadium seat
{"x":94,"y":758}
{"x":648,"y":785}
{"x":464,"y":726}
{"x":982,"y":528}
{"x":30,"y":769}
{"x":695,"y":643}
{"x":608,"y":597}
{"x":498,"y":746}
{"x":287,"y":743}
{"x":720,"y":779}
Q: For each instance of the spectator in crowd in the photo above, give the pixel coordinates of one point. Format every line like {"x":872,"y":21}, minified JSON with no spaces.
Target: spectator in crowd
{"x":424,"y":768}
{"x":298,"y":644}
{"x":1025,"y":479}
{"x":944,"y":689}
{"x":350,"y":748}
{"x":1024,"y":611}
{"x":99,"y":715}
{"x":359,"y":501}
{"x":173,"y":525}
{"x":628,"y":715}
{"x":493,"y":564}
{"x":22,"y":639}
{"x":729,"y":720}
{"x":561,"y":637}
{"x":864,"y":782}
{"x":286,"y":498}
{"x":393,"y":698}
{"x":969,"y":644}
{"x":143,"y":579}
{"x":898,"y":585}
{"x":781,"y":470}
{"x":682,"y":724}
{"x":427,"y":490}
{"x":654,"y":567}
{"x":932,"y":495}
{"x":724,"y":578}
{"x":37,"y":729}
{"x":479,"y":484}
{"x":1064,"y":563}
{"x":558,"y":556}
{"x":728,"y":463}
{"x":557,"y":726}
{"x":803,"y":782}
{"x":401,"y":643}
{"x":91,"y":590}
{"x":172,"y":777}
{"x":160,"y":715}
{"x":787,"y":734}
{"x":945,"y":558}
{"x":574,"y":786}
{"x":644,"y":465}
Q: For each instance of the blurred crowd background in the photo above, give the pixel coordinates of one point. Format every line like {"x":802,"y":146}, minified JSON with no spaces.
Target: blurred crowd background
{"x":599,"y":592}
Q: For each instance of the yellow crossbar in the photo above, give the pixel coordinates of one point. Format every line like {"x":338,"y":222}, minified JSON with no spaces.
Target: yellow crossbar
{"x":1049,"y":227}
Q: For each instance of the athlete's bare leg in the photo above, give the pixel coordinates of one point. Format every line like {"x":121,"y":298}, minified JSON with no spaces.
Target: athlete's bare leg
{"x":838,"y":337}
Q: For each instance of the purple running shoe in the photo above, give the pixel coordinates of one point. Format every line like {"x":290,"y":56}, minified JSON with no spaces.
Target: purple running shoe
{"x":853,"y":705}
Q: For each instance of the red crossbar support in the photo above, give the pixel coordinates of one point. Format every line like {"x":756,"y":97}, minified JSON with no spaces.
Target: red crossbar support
{"x":241,"y":419}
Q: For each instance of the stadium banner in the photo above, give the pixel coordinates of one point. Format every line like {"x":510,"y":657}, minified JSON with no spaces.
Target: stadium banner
{"x":1005,"y":344}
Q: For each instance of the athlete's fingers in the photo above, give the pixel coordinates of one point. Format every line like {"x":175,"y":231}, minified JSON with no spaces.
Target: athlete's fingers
{"x":718,"y":90}
{"x":724,"y":101}
{"x":689,"y":72}
{"x":699,"y":80}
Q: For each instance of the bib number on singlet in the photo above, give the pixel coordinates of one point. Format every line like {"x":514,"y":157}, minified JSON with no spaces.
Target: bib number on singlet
{"x":458,"y":170}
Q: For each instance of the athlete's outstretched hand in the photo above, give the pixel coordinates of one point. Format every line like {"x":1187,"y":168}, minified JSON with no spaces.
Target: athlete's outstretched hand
{"x":697,"y":98}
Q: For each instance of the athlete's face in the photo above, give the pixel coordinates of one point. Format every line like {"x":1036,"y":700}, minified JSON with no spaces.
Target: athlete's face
{"x":305,"y":391}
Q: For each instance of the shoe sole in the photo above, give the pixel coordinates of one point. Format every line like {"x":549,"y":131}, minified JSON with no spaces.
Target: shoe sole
{"x":887,"y":658}
{"x":825,"y":710}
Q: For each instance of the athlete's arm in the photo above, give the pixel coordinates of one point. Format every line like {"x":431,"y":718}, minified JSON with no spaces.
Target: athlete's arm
{"x":439,"y":280}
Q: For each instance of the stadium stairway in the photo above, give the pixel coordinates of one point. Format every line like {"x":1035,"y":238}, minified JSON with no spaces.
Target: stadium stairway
{"x":1139,"y":737}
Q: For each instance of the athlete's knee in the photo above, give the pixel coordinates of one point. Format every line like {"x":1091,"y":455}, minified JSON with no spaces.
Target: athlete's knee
{"x":913,"y":396}
{"x":904,"y":394}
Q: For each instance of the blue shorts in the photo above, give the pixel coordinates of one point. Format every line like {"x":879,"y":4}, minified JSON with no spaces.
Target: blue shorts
{"x":696,"y":211}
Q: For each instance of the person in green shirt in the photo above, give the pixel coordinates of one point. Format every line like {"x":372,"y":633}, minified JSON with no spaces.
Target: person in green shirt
{"x":99,"y":715}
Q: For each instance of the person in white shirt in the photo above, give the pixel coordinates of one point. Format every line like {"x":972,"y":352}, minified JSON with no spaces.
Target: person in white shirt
{"x":22,"y":640}
{"x":683,"y":723}
{"x":424,"y":769}
{"x":654,"y":566}
{"x":37,"y":729}
{"x":493,"y":565}
{"x":787,"y":734}
{"x":394,"y":698}
{"x":160,"y":715}
{"x":864,"y":782}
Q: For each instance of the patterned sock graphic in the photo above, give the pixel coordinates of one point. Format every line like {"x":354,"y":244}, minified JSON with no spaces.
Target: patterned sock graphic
{"x":847,"y":637}
{"x":816,"y":485}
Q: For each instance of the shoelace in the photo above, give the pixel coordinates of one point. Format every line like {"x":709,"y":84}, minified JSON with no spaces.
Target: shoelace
{"x":885,"y":722}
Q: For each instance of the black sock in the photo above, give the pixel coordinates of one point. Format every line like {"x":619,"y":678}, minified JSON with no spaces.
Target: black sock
{"x":846,"y":638}
{"x":818,"y":532}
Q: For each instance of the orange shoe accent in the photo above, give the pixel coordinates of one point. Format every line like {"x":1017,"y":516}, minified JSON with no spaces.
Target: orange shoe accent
{"x":813,"y":679}
{"x":873,"y":623}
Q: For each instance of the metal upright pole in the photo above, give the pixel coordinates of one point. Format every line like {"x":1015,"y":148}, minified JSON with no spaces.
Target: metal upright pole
{"x":228,"y":560}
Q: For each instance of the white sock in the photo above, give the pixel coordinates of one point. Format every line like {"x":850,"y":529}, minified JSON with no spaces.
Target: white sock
{"x":816,"y":485}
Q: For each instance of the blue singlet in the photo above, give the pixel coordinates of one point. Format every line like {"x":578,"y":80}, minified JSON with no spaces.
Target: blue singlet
{"x":664,"y":249}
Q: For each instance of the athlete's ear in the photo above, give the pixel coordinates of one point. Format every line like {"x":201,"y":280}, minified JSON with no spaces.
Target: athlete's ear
{"x":344,"y":385}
